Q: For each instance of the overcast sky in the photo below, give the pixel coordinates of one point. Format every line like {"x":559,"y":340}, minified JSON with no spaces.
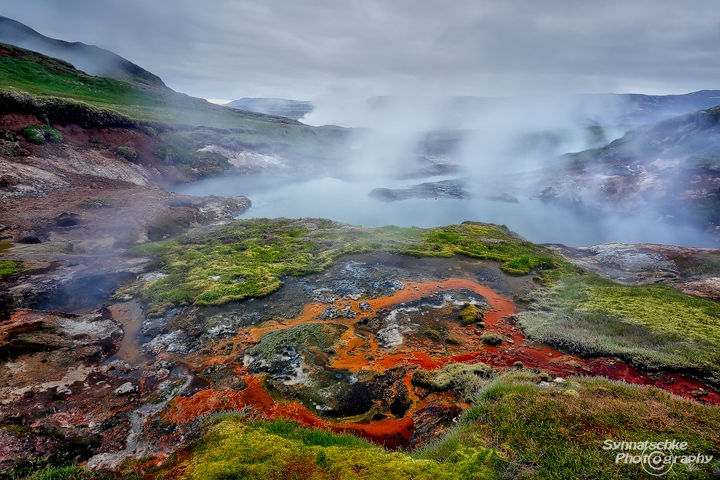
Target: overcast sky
{"x":228,"y":49}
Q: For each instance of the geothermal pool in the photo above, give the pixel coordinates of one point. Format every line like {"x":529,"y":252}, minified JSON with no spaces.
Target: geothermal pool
{"x":348,"y":201}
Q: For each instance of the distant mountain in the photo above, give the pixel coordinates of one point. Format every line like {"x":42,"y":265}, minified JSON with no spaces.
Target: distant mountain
{"x":642,"y":109}
{"x":294,"y":109}
{"x":88,"y":58}
{"x":670,"y":168}
{"x":594,"y":109}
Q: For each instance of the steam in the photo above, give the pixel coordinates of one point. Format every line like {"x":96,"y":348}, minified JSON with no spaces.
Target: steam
{"x":492,"y":146}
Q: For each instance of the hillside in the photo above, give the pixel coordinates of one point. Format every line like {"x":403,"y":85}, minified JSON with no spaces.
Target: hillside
{"x":640,"y":109}
{"x":88,"y":58}
{"x":191,"y":123}
{"x":672,"y":167}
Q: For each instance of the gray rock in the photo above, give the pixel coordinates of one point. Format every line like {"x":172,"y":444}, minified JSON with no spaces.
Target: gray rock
{"x":126,"y":388}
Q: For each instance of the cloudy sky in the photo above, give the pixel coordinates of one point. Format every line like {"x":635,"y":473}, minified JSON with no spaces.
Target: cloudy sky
{"x":228,"y":49}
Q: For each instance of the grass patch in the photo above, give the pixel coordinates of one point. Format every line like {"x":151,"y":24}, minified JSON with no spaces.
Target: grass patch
{"x":650,"y":326}
{"x":558,"y":432}
{"x":77,"y":473}
{"x":9,"y":267}
{"x":237,"y":448}
{"x":247,"y":258}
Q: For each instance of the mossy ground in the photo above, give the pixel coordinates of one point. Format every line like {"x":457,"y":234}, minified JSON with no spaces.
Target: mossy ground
{"x":558,"y":431}
{"x":651,"y":326}
{"x":234,"y":447}
{"x":514,"y":429}
{"x":9,"y":267}
{"x":465,"y":379}
{"x":248,"y":258}
{"x":301,"y":337}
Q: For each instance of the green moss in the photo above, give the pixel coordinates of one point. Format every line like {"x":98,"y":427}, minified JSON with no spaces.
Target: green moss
{"x":661,"y":308}
{"x":42,"y":133}
{"x":19,"y":431}
{"x":247,"y":258}
{"x":433,"y":334}
{"x":301,"y":337}
{"x":9,"y":267}
{"x":128,"y":153}
{"x":471,"y":314}
{"x":650,"y":326}
{"x":234,"y":448}
{"x":450,"y":375}
{"x":489,"y":242}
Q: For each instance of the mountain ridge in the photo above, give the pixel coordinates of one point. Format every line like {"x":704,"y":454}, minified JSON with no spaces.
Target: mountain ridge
{"x":88,"y":58}
{"x":295,"y":109}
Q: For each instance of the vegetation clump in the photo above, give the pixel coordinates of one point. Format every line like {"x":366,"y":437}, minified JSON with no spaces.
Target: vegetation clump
{"x":433,"y":334}
{"x":234,"y":447}
{"x":471,"y":314}
{"x":452,"y":375}
{"x":41,"y":133}
{"x":193,"y":161}
{"x":128,"y":153}
{"x":9,"y":267}
{"x":12,"y":148}
{"x":488,"y":242}
{"x":302,"y":337}
{"x":491,"y":338}
{"x":78,"y":473}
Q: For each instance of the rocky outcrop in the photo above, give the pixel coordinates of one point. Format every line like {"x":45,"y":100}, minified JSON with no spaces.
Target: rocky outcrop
{"x":432,"y":190}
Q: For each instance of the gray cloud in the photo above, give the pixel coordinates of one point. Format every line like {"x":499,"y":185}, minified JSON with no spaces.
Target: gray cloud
{"x":235,"y":48}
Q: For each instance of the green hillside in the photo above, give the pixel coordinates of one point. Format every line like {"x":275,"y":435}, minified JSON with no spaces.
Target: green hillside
{"x":44,"y":77}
